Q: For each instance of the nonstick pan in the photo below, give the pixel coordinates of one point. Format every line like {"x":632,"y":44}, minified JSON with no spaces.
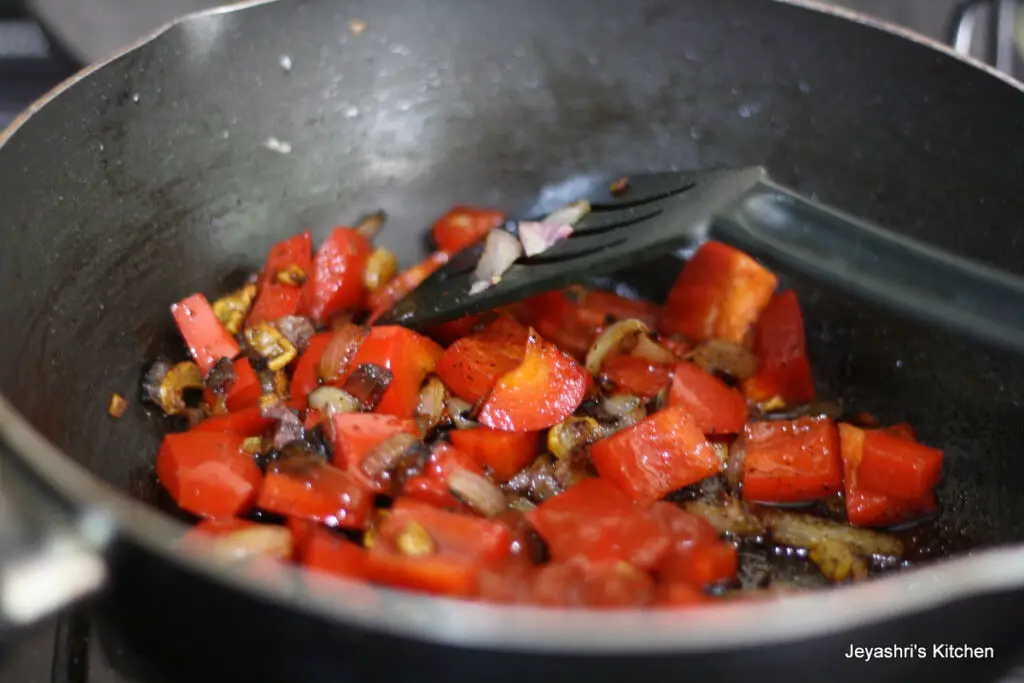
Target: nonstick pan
{"x":148,"y":177}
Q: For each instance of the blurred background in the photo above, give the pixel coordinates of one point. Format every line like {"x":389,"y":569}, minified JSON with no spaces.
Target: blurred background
{"x":44,"y":41}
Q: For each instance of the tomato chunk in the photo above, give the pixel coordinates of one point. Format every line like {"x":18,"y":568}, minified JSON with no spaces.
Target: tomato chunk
{"x":656,"y":456}
{"x":354,"y":436}
{"x":473,"y":365}
{"x":898,"y":467}
{"x":719,"y":294}
{"x":638,"y":376}
{"x":792,"y":461}
{"x":409,"y":356}
{"x":279,"y":289}
{"x":207,"y":473}
{"x":328,"y":552}
{"x":337,"y":279}
{"x":383,"y":299}
{"x":505,"y":453}
{"x":463,"y":226}
{"x":780,"y":345}
{"x":870,"y":508}
{"x":452,"y":533}
{"x":544,"y":389}
{"x":207,"y":339}
{"x":310,"y":489}
{"x":717,"y":407}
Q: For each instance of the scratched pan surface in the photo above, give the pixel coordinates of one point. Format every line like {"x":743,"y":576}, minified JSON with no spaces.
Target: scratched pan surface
{"x":150,"y":178}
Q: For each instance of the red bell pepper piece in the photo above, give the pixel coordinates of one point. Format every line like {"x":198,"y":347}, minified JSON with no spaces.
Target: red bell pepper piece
{"x":635,"y":375}
{"x":656,"y":456}
{"x":453,"y":533}
{"x":207,"y":473}
{"x":432,"y":491}
{"x":218,"y":526}
{"x":381,"y":300}
{"x":409,"y":356}
{"x":719,"y":294}
{"x":312,"y":419}
{"x":583,"y":583}
{"x":473,"y":365}
{"x":614,"y":307}
{"x":900,"y":431}
{"x":781,"y":348}
{"x":305,"y":379}
{"x":445,"y":459}
{"x":245,"y":422}
{"x":450,"y":332}
{"x":243,"y":391}
{"x":544,"y":389}
{"x":353,"y":436}
{"x":869,"y":508}
{"x":438,"y":575}
{"x":700,"y":565}
{"x":337,"y":282}
{"x":309,"y":489}
{"x":328,"y":552}
{"x":464,"y":226}
{"x":207,"y":339}
{"x":275,"y":299}
{"x":717,"y":407}
{"x":898,"y":467}
{"x":559,"y":319}
{"x":505,"y":453}
{"x":431,"y":487}
{"x":792,"y":461}
{"x":672,"y":595}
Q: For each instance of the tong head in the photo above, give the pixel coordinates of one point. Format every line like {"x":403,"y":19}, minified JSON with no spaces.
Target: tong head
{"x":657,"y":213}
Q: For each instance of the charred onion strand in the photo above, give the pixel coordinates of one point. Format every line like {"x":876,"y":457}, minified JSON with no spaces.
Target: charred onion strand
{"x":369,"y":225}
{"x":459,"y":412}
{"x":117,"y":406}
{"x":483,"y":497}
{"x":837,"y":562}
{"x":291,"y":275}
{"x":367,"y":384}
{"x":718,"y":355}
{"x":268,"y":342}
{"x":430,"y":410}
{"x":165,"y":384}
{"x":393,"y":460}
{"x":611,"y":340}
{"x":806,"y":531}
{"x":381,"y":267}
{"x":730,"y":516}
{"x":340,"y":351}
{"x":296,"y":329}
{"x":232,"y":308}
{"x":289,"y":426}
{"x":571,"y":433}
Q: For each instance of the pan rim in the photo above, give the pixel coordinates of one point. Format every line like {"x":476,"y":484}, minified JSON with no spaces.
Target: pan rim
{"x":630,"y":632}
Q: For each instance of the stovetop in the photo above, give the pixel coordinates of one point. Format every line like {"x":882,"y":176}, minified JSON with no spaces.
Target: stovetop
{"x":68,"y":649}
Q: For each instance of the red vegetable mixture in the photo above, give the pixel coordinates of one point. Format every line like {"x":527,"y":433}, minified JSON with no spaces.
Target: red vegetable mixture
{"x":575,"y":449}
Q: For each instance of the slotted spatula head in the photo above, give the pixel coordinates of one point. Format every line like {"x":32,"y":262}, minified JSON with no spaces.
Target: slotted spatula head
{"x":656,"y":214}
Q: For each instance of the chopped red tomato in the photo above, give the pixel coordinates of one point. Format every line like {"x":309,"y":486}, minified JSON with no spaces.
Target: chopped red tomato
{"x":544,"y":389}
{"x":282,"y":279}
{"x":355,"y":435}
{"x":328,"y":552}
{"x":792,"y":461}
{"x":719,"y":294}
{"x":505,"y":453}
{"x":383,"y":299}
{"x":207,"y":339}
{"x":717,"y":407}
{"x":409,"y":356}
{"x":464,"y":226}
{"x":870,"y":508}
{"x":473,"y":365}
{"x":337,"y":281}
{"x":207,"y":473}
{"x":451,"y":533}
{"x":306,"y":378}
{"x":637,"y":376}
{"x":781,"y":348}
{"x":656,"y":456}
{"x":310,"y":489}
{"x":898,"y":467}
{"x":440,"y":575}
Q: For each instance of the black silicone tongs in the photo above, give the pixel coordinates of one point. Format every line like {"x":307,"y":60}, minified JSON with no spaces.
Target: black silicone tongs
{"x":665,"y":212}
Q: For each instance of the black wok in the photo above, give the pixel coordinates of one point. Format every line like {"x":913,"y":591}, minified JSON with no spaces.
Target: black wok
{"x":148,"y":178}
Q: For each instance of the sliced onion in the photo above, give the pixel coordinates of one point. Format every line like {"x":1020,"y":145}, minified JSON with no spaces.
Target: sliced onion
{"x":288,"y":428}
{"x":482,"y":497}
{"x":620,"y":411}
{"x":500,"y":251}
{"x":806,"y":531}
{"x":221,"y":376}
{"x":369,"y":225}
{"x":837,"y":562}
{"x":572,"y":433}
{"x":569,"y":214}
{"x":648,"y":349}
{"x":267,"y":341}
{"x":340,"y":351}
{"x":430,"y":410}
{"x":296,"y":329}
{"x":165,"y":385}
{"x":459,"y":412}
{"x":611,"y":340}
{"x":367,"y":384}
{"x":268,"y":540}
{"x":730,"y":517}
{"x":392,"y":461}
{"x":381,"y":268}
{"x":735,"y":464}
{"x":537,"y":238}
{"x":332,"y":400}
{"x":718,"y":355}
{"x":536,"y":481}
